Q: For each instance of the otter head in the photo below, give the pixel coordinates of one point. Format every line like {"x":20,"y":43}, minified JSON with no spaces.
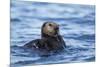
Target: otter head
{"x":50,"y":29}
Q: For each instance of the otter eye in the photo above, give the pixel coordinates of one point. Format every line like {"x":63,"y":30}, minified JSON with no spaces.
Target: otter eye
{"x":50,"y":24}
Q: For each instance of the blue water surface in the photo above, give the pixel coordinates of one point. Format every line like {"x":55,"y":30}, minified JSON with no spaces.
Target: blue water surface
{"x":77,"y":27}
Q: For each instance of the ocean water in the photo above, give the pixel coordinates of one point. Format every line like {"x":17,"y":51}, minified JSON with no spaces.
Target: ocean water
{"x":77,"y":27}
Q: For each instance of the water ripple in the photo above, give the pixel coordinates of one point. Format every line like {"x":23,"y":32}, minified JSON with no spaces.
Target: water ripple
{"x":77,"y":27}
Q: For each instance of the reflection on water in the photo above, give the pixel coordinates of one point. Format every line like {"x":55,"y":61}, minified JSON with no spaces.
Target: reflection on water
{"x":77,"y":26}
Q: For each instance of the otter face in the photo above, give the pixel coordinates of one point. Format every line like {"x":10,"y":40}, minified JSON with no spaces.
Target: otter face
{"x":50,"y":29}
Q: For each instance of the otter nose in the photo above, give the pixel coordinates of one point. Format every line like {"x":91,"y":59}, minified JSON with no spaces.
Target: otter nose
{"x":56,"y":28}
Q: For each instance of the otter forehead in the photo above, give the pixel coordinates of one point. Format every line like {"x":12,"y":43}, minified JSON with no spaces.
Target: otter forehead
{"x":51,"y":24}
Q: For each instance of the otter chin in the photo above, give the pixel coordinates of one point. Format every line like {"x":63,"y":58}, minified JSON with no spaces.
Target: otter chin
{"x":50,"y":40}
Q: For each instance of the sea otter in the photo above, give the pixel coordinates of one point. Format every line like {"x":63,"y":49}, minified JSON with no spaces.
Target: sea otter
{"x":51,"y":40}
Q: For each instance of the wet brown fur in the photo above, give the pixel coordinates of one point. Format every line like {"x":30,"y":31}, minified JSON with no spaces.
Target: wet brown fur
{"x":50,"y":38}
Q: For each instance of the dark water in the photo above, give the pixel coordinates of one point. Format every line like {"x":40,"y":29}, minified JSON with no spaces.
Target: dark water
{"x":77,"y":27}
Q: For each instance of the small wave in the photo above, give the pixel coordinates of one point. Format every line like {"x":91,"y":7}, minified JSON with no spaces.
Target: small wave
{"x":90,"y":59}
{"x":15,"y":20}
{"x":82,"y":37}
